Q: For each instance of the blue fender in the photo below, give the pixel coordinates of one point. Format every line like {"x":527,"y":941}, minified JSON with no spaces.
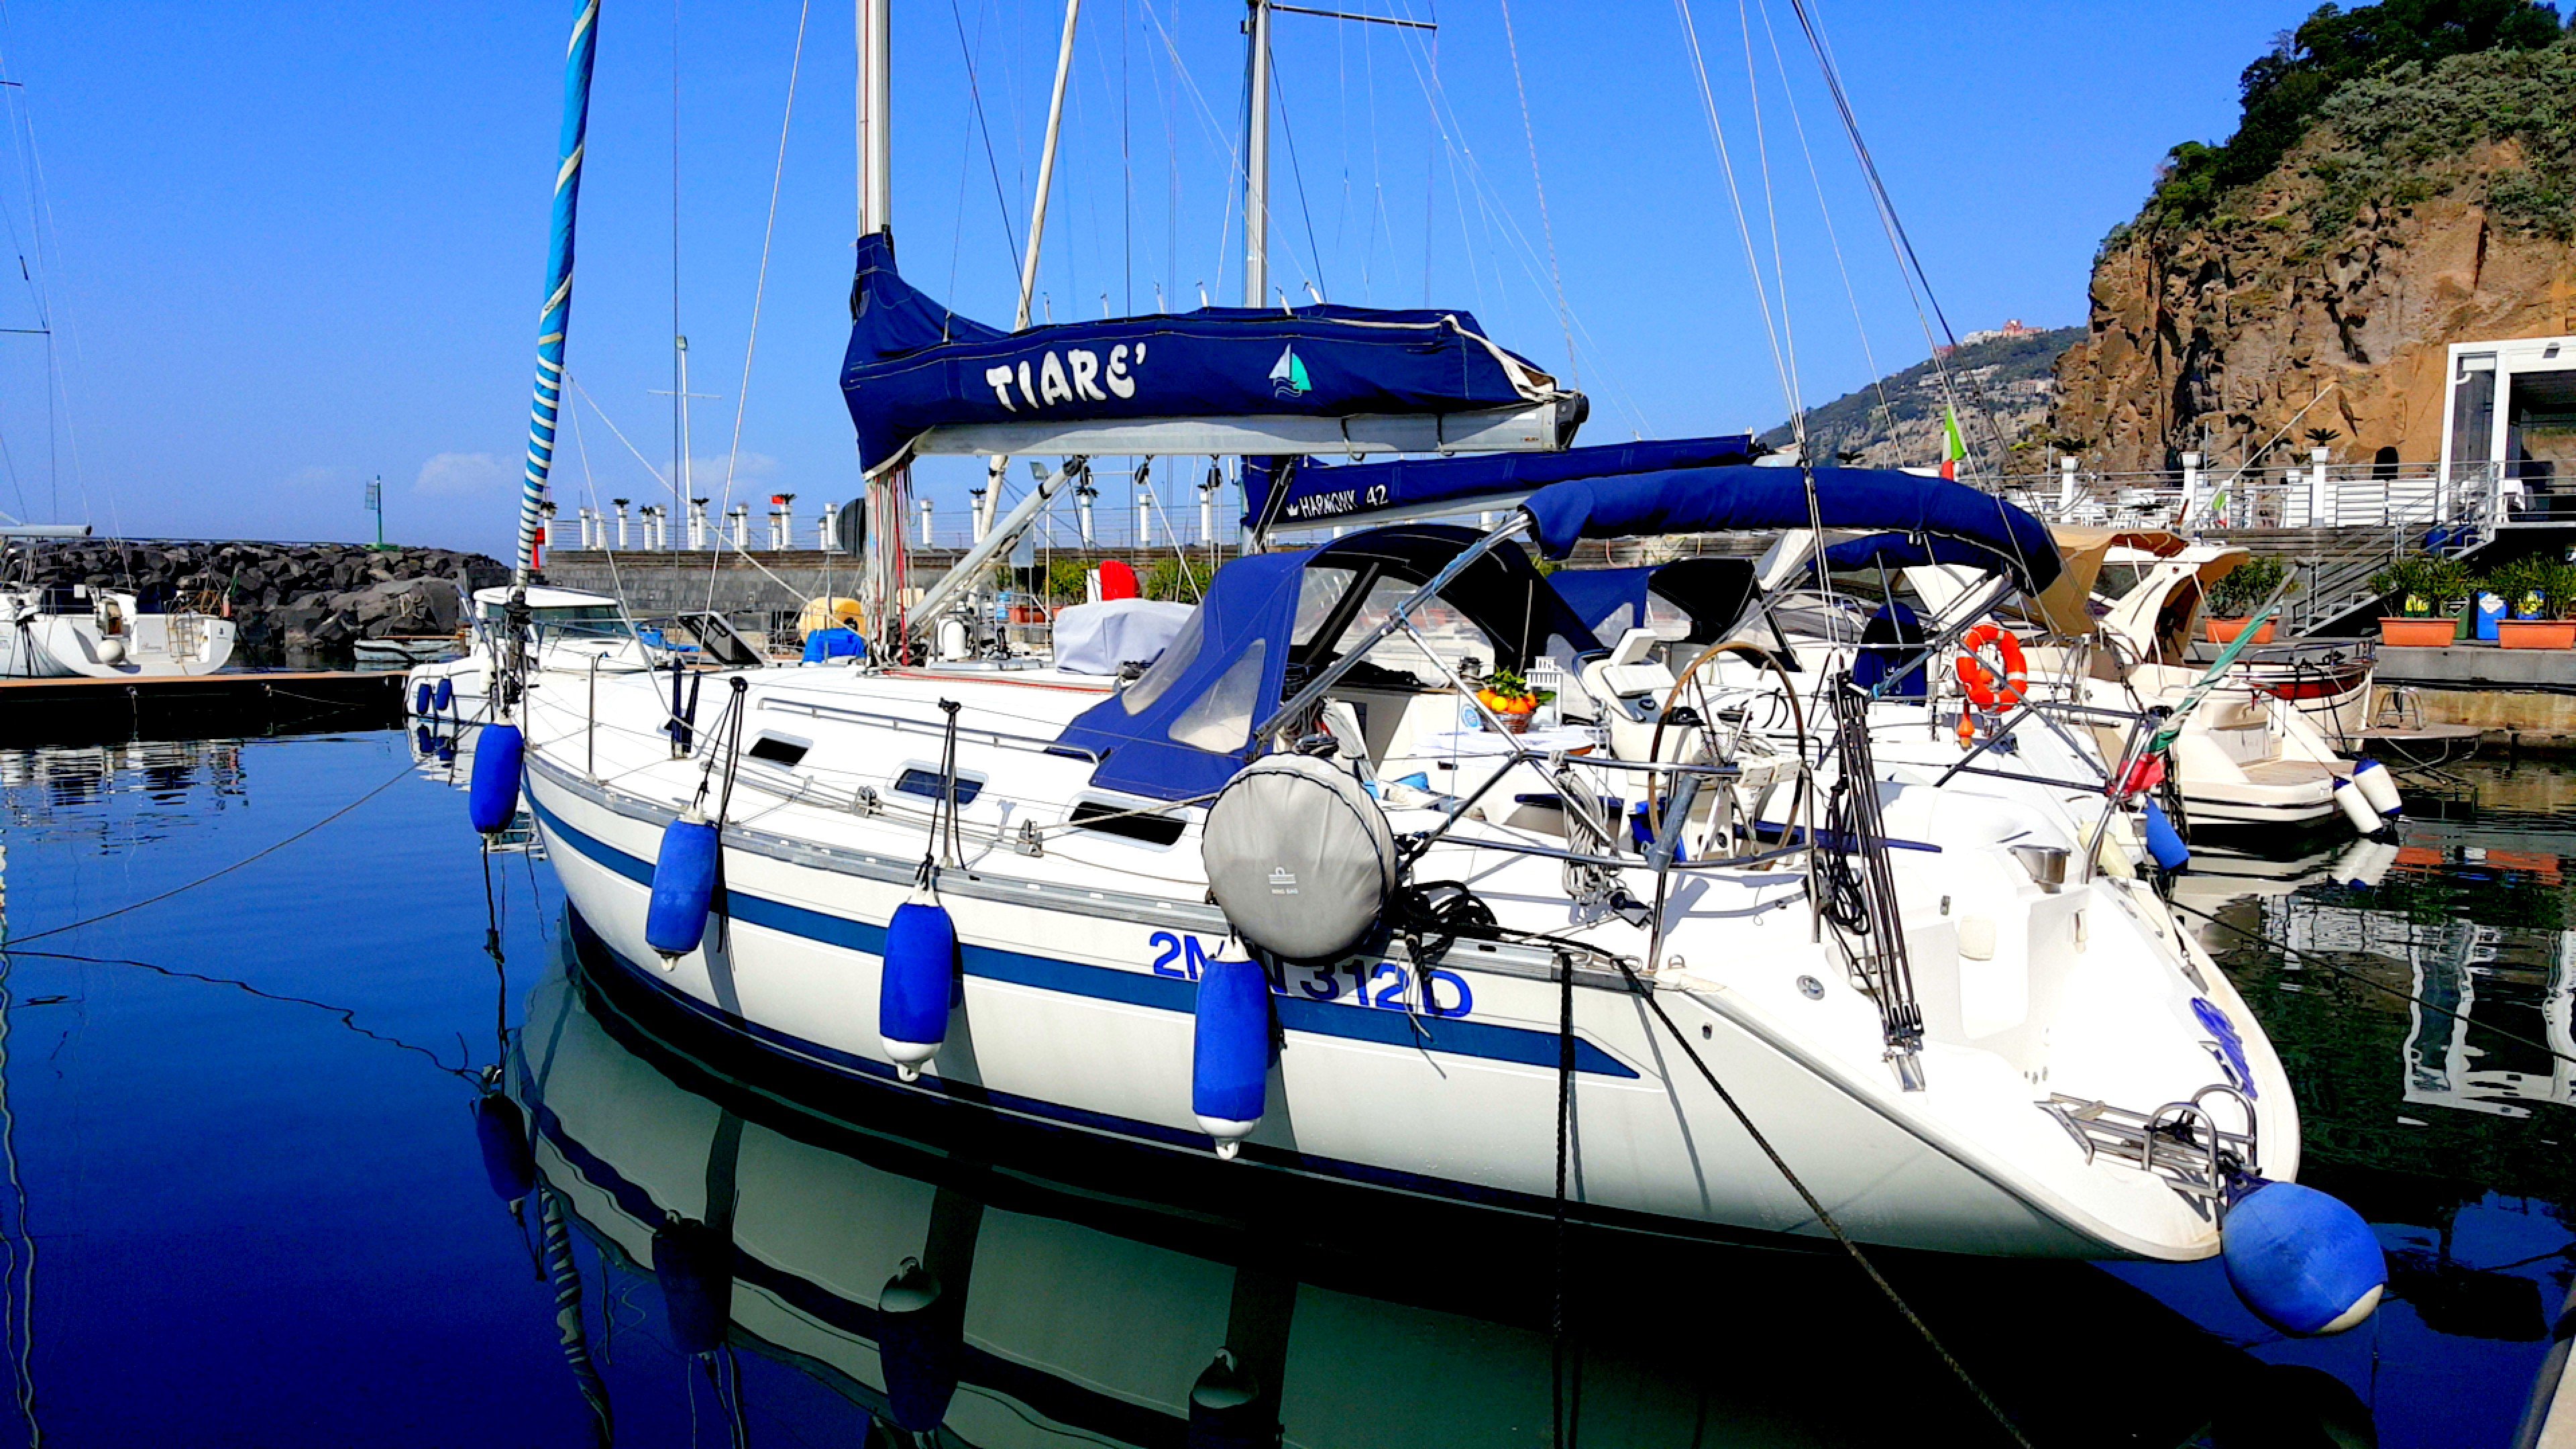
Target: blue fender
{"x":1230,"y":1051}
{"x":2164,"y":843}
{"x":684,"y":888}
{"x":918,"y":985}
{"x":492,"y":800}
{"x":2304,"y":1262}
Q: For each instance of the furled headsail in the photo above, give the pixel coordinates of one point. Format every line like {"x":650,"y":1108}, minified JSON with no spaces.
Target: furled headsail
{"x":1221,"y":380}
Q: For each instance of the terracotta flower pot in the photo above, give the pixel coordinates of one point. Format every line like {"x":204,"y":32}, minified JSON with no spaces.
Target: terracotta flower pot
{"x":2224,"y":631}
{"x":2417,"y":633}
{"x":2536,"y":633}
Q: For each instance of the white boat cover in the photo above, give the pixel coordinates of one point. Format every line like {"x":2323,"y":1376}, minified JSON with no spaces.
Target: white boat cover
{"x":1097,"y":638}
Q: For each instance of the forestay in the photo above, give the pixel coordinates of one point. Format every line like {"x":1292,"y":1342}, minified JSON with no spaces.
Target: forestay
{"x":919,"y":378}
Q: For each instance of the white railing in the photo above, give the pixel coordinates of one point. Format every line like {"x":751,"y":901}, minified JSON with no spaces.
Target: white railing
{"x":2194,"y":500}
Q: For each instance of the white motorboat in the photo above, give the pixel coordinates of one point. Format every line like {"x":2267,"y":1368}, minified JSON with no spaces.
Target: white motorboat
{"x":2152,"y":588}
{"x":567,"y":633}
{"x":2255,"y":752}
{"x":2261,"y":751}
{"x":100,"y":633}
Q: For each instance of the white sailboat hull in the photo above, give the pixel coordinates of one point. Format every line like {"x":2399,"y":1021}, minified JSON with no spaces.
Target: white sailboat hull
{"x":1077,"y":1011}
{"x":148,"y":645}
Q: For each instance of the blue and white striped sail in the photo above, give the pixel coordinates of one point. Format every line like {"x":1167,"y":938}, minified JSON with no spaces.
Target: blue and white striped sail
{"x":556,"y":320}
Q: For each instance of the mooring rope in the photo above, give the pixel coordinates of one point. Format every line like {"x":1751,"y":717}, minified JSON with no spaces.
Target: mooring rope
{"x":1817,"y":1208}
{"x":2319,"y":960}
{"x":12,"y":943}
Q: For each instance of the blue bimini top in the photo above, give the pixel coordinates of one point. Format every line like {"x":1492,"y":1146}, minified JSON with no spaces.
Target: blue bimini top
{"x":914,"y":365}
{"x":1753,"y":498}
{"x":1317,"y":490}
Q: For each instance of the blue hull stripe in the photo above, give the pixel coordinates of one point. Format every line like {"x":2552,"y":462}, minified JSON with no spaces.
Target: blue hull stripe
{"x":1449,"y":1035}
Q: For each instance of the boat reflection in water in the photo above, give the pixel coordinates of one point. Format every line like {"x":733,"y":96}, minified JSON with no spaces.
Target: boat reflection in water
{"x":905,"y":1273}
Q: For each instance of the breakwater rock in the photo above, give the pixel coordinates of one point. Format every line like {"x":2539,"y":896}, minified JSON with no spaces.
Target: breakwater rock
{"x":305,"y":599}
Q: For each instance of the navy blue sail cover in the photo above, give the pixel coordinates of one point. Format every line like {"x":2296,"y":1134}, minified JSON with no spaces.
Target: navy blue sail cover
{"x":914,"y":365}
{"x":1758,"y":499}
{"x":1323,"y":491}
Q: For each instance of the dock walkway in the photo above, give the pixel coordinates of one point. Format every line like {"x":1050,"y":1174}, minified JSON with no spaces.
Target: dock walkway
{"x":239,"y":702}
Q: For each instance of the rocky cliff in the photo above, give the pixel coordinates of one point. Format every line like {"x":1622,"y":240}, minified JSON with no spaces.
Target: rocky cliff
{"x":2422,"y":204}
{"x":309,"y":599}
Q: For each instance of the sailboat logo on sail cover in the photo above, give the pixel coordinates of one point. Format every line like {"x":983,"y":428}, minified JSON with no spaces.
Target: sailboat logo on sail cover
{"x":1288,"y":377}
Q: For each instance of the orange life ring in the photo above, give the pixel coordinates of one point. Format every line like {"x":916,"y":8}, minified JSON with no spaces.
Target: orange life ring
{"x":1986,"y":688}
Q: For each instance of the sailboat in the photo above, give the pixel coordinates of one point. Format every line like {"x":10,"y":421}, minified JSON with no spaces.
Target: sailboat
{"x":1218,"y":913}
{"x":93,"y":632}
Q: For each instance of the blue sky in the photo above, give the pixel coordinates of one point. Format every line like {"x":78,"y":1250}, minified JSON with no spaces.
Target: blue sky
{"x":289,"y":248}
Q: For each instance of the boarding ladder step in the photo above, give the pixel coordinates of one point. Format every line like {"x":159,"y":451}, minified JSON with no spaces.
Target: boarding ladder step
{"x":2181,"y":1142}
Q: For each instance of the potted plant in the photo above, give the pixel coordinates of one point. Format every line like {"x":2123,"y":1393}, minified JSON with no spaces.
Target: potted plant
{"x":1510,"y":698}
{"x":2541,"y":593}
{"x":2415,"y":582}
{"x":2236,"y":595}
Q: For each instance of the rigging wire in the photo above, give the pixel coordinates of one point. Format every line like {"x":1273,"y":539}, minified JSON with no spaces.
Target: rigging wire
{"x":1447,"y":129}
{"x":1529,"y":134}
{"x":1771,"y":219}
{"x":1279,"y":94}
{"x":1743,"y":226}
{"x":759,"y":292}
{"x":992,"y":160}
{"x":1833,"y":239}
{"x":1909,"y":266}
{"x":47,"y":236}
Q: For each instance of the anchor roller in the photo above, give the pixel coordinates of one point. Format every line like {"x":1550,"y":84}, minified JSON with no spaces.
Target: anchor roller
{"x":684,"y":888}
{"x":493,"y":797}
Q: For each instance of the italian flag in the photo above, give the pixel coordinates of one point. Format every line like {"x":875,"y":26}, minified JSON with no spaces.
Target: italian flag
{"x":1954,"y":448}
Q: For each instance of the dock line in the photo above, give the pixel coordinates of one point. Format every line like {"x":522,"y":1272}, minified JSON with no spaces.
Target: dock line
{"x":1930,"y":1338}
{"x":2243,"y":934}
{"x":9,"y":944}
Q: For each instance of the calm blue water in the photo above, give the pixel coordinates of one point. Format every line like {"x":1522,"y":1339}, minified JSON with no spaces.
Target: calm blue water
{"x":245,"y":1200}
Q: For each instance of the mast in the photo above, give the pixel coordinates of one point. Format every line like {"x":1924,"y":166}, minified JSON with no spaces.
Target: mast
{"x":883,"y":514}
{"x":555,"y":321}
{"x":1256,"y":164}
{"x":1046,"y":163}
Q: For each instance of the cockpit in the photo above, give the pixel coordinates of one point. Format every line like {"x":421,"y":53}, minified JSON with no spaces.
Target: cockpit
{"x":1273,"y":622}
